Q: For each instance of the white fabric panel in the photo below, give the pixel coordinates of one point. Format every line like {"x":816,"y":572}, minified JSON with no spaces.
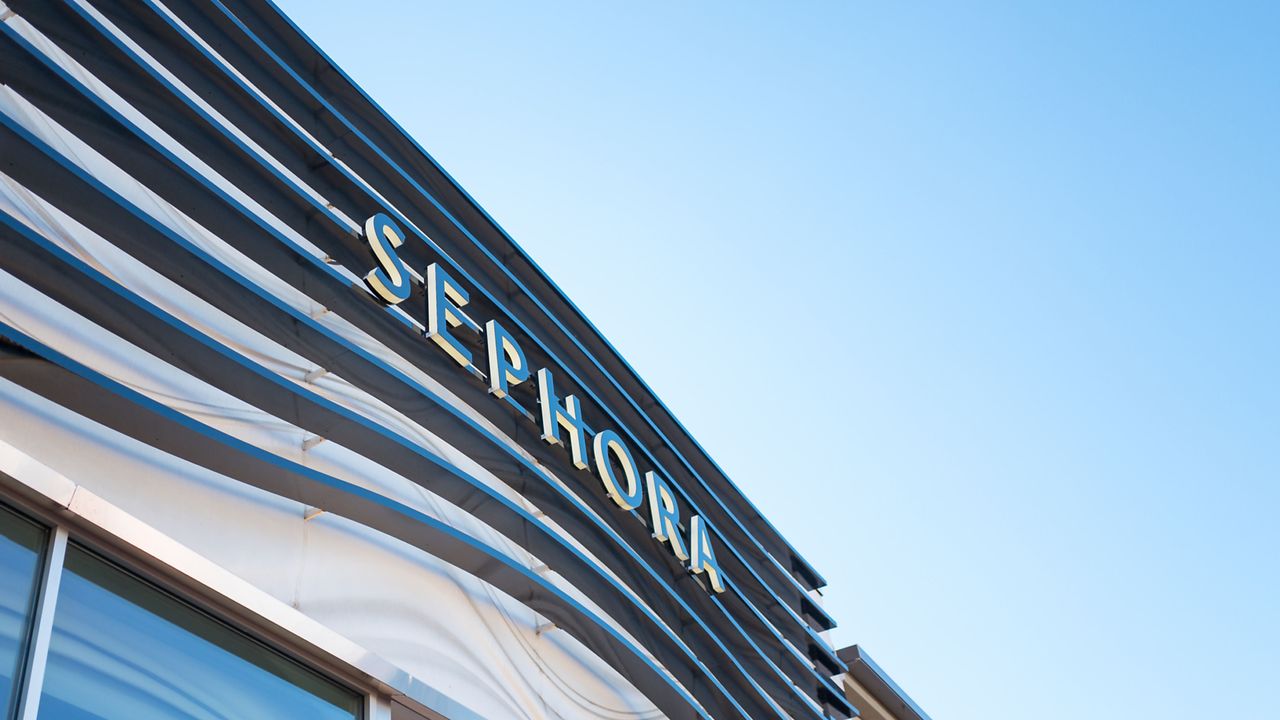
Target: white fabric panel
{"x":78,"y":240}
{"x":112,"y":479}
{"x":34,"y":314}
{"x":419,"y":613}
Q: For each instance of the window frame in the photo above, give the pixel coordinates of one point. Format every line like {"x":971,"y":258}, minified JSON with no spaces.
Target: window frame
{"x":23,"y":669}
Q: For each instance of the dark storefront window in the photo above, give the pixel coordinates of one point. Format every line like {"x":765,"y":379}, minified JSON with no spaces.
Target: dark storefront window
{"x":124,"y":650}
{"x":20,"y":545}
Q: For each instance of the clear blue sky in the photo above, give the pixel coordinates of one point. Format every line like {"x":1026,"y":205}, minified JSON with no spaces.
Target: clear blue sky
{"x":999,"y":280}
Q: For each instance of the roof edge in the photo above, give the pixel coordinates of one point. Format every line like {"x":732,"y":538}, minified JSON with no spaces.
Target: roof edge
{"x":878,"y":683}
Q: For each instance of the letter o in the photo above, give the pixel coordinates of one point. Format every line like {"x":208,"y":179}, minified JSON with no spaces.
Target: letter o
{"x":606,"y":443}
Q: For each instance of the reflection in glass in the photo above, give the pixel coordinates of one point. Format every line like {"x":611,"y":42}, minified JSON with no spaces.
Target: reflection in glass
{"x":20,"y":544}
{"x":123,"y":650}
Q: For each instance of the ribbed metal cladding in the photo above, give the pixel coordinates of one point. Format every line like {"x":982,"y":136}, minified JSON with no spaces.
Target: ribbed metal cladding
{"x":230,"y":116}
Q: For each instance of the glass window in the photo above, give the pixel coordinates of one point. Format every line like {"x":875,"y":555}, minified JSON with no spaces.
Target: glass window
{"x":124,"y":650}
{"x":20,"y":545}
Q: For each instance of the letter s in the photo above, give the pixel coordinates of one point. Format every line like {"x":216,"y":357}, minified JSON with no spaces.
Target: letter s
{"x":390,"y":280}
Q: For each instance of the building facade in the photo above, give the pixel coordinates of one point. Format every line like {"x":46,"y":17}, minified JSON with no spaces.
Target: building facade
{"x":289,"y":426}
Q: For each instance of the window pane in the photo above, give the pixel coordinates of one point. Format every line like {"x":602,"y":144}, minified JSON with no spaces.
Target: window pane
{"x":20,"y":544}
{"x":123,"y":650}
